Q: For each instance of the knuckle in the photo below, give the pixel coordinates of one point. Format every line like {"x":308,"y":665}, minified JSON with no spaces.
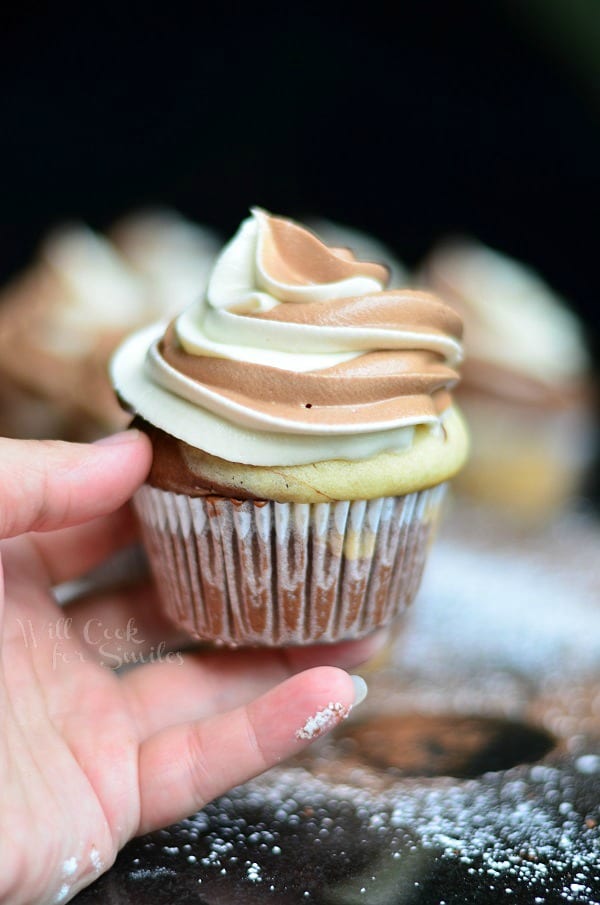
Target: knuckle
{"x":260,"y":755}
{"x":202,"y":780}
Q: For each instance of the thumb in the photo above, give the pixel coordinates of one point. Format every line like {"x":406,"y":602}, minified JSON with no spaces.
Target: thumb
{"x":48,"y":484}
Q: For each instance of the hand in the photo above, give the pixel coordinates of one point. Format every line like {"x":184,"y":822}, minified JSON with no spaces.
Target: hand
{"x":90,"y":757}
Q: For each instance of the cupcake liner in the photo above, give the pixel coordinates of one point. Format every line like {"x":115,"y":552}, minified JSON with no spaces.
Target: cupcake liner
{"x":245,"y":572}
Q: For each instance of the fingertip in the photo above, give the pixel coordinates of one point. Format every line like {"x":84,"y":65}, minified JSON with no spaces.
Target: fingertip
{"x":123,"y":439}
{"x":325,"y":681}
{"x":345,"y":693}
{"x":55,"y":484}
{"x":332,"y":681}
{"x":132,"y":445}
{"x":184,"y":766}
{"x":307,"y":706}
{"x":132,"y":435}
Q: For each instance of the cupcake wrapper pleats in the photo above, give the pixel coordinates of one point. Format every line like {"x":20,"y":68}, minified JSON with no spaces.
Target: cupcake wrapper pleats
{"x":275,"y":574}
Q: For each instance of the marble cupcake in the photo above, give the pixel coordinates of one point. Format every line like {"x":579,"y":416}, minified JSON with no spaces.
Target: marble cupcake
{"x":303,"y":431}
{"x":526,"y":387}
{"x":172,"y":255}
{"x":60,"y":320}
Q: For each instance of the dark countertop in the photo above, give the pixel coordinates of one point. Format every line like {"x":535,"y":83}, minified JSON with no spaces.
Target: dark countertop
{"x":471,"y":774}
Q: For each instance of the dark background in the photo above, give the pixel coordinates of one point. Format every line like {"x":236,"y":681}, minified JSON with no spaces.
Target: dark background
{"x":471,"y":116}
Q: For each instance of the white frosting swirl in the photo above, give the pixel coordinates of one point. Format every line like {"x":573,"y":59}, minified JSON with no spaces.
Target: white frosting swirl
{"x":221,"y":437}
{"x":206,"y":327}
{"x":247,"y":280}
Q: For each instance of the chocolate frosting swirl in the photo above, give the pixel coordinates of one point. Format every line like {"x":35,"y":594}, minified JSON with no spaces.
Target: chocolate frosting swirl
{"x":303,"y":342}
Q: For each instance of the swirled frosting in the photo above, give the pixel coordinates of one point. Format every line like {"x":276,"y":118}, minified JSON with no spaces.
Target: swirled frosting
{"x":295,"y":353}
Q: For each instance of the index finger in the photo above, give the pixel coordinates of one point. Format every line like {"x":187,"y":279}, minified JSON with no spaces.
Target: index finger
{"x":180,"y":687}
{"x":185,"y":766}
{"x":50,"y":484}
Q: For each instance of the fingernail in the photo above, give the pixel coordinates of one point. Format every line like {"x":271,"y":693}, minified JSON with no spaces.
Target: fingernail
{"x":115,"y":439}
{"x":360,"y":690}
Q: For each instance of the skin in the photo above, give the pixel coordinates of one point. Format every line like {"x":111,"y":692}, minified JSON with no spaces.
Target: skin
{"x":90,"y":757}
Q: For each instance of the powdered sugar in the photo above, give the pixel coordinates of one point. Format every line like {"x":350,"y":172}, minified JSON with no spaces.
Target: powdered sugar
{"x":503,"y":628}
{"x":521,"y":833}
{"x":69,"y":867}
{"x":152,"y":873}
{"x":322,"y":721}
{"x":253,"y":872}
{"x":588,"y":763}
{"x":62,"y":894}
{"x":96,"y":860}
{"x":502,"y":608}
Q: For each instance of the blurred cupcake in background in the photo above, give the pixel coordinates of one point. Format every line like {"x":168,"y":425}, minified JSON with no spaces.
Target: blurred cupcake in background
{"x":526,"y":383}
{"x":62,"y":318}
{"x":364,"y":246}
{"x":59,"y":322}
{"x":171,"y":254}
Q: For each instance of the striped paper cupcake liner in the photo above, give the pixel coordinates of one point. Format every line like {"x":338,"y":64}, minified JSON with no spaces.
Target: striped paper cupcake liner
{"x":242,"y":572}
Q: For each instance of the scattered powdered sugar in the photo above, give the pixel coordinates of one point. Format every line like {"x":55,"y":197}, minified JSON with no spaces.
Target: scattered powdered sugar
{"x":502,"y":608}
{"x":62,"y":894}
{"x":494,"y":624}
{"x":171,"y":849}
{"x":588,"y":763}
{"x":322,"y":721}
{"x":151,"y":873}
{"x":69,"y":867}
{"x":530,"y":833}
{"x":529,"y":825}
{"x":96,"y":860}
{"x":253,"y":872}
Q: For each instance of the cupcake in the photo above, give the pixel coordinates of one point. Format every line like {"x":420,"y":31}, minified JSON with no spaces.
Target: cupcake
{"x":303,"y":432}
{"x":172,"y":255}
{"x":525,"y":387}
{"x":73,"y":306}
{"x":59,"y":323}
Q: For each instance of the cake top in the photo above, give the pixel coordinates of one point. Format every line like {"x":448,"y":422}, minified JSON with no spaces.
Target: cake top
{"x":296,"y":352}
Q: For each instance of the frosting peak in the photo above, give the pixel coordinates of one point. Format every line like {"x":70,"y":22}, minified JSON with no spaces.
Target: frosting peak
{"x":272,"y":260}
{"x":296,"y":353}
{"x":290,"y":256}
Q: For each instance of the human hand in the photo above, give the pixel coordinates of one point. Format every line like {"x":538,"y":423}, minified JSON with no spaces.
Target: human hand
{"x":89,"y":757}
